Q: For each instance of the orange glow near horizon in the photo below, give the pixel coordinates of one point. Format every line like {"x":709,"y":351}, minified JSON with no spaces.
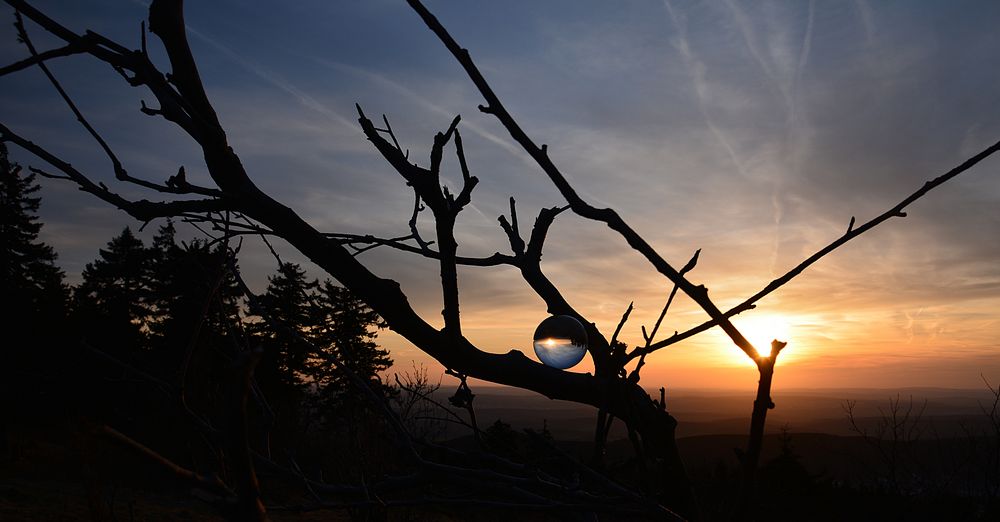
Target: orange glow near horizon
{"x":888,"y":326}
{"x":865,"y":348}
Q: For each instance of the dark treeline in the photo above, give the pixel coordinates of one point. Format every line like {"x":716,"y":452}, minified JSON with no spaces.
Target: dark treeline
{"x":145,"y":342}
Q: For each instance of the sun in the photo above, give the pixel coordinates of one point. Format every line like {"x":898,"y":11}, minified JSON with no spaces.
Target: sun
{"x":760,"y":330}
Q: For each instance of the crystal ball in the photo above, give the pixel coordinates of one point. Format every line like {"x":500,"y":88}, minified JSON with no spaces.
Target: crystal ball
{"x":560,"y":342}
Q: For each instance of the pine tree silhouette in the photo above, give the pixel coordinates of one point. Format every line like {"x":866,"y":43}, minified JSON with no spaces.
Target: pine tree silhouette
{"x":345,"y":333}
{"x":192,"y":304}
{"x":286,"y":330}
{"x":32,"y":292}
{"x":308,"y":331}
{"x":30,"y":281}
{"x":111,"y":305}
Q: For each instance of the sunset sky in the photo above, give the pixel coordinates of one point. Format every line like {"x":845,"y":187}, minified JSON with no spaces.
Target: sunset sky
{"x":751,"y":130}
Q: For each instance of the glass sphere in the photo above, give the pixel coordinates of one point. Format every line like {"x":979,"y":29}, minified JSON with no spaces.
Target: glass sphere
{"x":560,"y":342}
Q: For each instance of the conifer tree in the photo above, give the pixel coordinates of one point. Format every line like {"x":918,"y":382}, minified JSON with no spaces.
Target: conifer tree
{"x":286,"y":329}
{"x":31,"y":285}
{"x":191,"y":301}
{"x":345,"y":333}
{"x":310,"y":330}
{"x":33,"y":295}
{"x":282,"y":334}
{"x":111,"y":305}
{"x":163,"y":256}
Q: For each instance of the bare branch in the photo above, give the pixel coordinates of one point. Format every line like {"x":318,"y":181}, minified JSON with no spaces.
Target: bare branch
{"x":648,"y":338}
{"x":440,"y":140}
{"x":388,"y":130}
{"x":425,"y":397}
{"x":249,"y":506}
{"x":542,"y":223}
{"x":761,"y":404}
{"x":120,"y":172}
{"x":211,"y":484}
{"x":621,"y":323}
{"x":510,"y":228}
{"x":417,"y":207}
{"x":142,"y":210}
{"x":166,"y":21}
{"x":426,"y":184}
{"x":608,"y":216}
{"x":398,"y":243}
{"x":414,"y":175}
{"x":173,"y":107}
{"x":469,"y":182}
{"x":49,"y":175}
{"x":34,"y":59}
{"x":556,"y":304}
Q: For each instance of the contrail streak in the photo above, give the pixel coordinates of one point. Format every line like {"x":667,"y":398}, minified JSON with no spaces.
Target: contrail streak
{"x":697,"y":72}
{"x":275,"y":80}
{"x":429,"y":105}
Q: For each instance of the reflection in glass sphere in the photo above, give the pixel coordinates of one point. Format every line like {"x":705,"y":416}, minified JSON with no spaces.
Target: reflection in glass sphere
{"x":560,"y":342}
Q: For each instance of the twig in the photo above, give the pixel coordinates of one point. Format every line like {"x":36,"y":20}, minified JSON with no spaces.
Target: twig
{"x":119,"y":170}
{"x":414,"y":231}
{"x":608,"y":216}
{"x":621,"y":323}
{"x":425,"y":397}
{"x":208,"y":483}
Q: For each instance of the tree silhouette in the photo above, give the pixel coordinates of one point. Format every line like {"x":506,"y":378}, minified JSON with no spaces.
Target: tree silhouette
{"x":112,"y":303}
{"x":195,"y":307}
{"x":282,"y":336}
{"x":168,"y":284}
{"x":34,"y":295}
{"x":165,"y":313}
{"x":32,"y":284}
{"x":287,"y":303}
{"x":306,"y":332}
{"x":344,"y":334}
{"x":613,"y":389}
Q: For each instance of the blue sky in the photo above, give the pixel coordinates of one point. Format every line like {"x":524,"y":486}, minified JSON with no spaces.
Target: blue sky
{"x":752,"y":130}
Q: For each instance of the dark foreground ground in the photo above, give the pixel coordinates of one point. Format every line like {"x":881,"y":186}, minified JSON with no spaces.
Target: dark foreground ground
{"x":817,"y":469}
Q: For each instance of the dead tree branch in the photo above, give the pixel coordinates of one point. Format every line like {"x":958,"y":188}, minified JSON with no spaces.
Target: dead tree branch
{"x":607,"y":216}
{"x":210,"y":484}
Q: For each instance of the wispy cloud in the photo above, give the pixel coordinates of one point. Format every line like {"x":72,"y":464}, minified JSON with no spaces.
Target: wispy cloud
{"x":697,"y":69}
{"x":276,"y":80}
{"x":748,"y":32}
{"x":806,"y":42}
{"x":867,"y":20}
{"x":424,"y":103}
{"x":794,"y":113}
{"x":267,"y":75}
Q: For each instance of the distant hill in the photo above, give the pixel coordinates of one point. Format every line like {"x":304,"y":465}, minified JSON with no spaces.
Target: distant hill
{"x":948,"y":412}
